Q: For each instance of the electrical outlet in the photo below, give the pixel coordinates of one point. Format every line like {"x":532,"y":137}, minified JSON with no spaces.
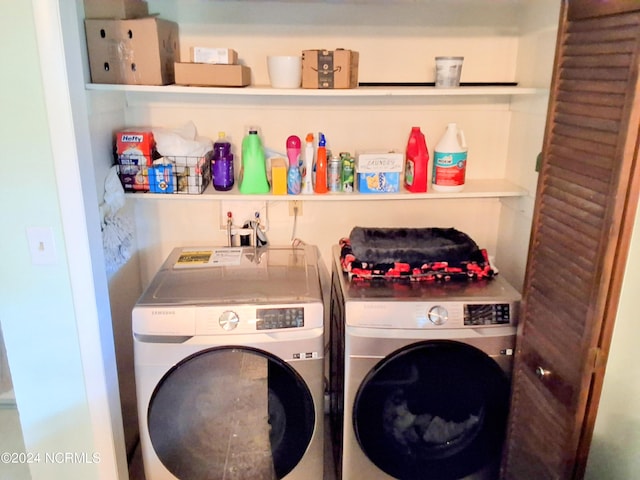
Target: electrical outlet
{"x":293,"y":205}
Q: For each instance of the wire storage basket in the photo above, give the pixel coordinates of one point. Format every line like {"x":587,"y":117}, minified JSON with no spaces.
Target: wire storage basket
{"x":165,"y":175}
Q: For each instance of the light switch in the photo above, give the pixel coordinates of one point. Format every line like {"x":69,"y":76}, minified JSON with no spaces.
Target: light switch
{"x":41,"y":245}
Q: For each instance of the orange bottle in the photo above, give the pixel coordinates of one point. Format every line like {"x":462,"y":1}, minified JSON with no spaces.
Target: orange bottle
{"x":321,"y":166}
{"x":415,"y":174}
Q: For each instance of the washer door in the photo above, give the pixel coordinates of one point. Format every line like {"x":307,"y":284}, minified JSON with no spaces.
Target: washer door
{"x":230,"y":412}
{"x":435,"y":410}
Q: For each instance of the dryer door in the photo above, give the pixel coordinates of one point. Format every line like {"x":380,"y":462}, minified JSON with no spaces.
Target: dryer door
{"x":435,"y":409}
{"x":228,"y":410}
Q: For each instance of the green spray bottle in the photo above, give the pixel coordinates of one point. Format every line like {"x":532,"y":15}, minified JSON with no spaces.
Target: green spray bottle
{"x":254,"y":167}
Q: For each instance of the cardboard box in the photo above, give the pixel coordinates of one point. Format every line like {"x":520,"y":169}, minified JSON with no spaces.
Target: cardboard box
{"x":134,"y":52}
{"x":209,"y":75}
{"x":222,"y":56}
{"x":329,"y":69}
{"x":379,"y":172}
{"x":116,"y":9}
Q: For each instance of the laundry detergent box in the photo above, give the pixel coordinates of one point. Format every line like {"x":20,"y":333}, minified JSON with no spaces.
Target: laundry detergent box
{"x":379,"y":172}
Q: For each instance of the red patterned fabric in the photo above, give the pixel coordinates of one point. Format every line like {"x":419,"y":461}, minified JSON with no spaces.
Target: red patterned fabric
{"x":475,"y":268}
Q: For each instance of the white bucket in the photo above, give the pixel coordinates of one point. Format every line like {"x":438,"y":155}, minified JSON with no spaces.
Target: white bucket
{"x":285,"y":71}
{"x":448,"y":70}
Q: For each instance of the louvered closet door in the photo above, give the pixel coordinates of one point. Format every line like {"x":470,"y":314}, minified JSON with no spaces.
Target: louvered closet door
{"x":587,"y":190}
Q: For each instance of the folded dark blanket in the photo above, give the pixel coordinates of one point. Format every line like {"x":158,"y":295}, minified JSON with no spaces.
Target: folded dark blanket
{"x":475,"y":266}
{"x":411,"y":245}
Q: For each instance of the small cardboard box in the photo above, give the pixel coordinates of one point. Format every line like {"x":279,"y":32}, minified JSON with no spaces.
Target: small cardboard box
{"x":134,"y":52}
{"x":379,"y":172}
{"x":209,"y":75}
{"x":116,"y":9}
{"x":222,"y":56}
{"x":329,"y":69}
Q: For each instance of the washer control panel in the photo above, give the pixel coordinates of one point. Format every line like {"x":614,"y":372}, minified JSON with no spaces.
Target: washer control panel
{"x":275,"y":318}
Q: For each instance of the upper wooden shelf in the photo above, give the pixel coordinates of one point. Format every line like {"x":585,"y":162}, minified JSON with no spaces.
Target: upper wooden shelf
{"x":367,"y":91}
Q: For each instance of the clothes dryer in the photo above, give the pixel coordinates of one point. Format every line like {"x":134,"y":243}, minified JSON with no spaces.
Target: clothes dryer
{"x":228,"y":353}
{"x":420,"y":377}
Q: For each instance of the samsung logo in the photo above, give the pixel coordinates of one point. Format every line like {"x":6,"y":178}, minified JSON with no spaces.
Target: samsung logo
{"x":162,"y":313}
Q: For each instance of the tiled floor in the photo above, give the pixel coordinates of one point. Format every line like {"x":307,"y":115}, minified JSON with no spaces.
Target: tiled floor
{"x":136,"y":471}
{"x":11,"y":441}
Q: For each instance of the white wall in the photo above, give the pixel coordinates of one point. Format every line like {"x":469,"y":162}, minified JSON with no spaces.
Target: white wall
{"x":396,"y":48}
{"x":50,"y":313}
{"x":615,"y":449}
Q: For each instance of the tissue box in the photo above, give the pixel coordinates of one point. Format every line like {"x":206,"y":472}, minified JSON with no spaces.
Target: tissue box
{"x":186,"y":175}
{"x":379,"y":172}
{"x":329,"y":69}
{"x":134,"y":52}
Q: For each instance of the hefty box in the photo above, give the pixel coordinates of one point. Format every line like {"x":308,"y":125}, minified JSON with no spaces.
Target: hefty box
{"x":135,"y":150}
{"x":329,"y":69}
{"x":211,"y":75}
{"x":134,"y":52}
{"x":379,"y":172}
{"x":116,"y":9}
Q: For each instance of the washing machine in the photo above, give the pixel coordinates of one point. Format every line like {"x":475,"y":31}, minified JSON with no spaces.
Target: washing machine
{"x":228,"y":355}
{"x":420,"y":376}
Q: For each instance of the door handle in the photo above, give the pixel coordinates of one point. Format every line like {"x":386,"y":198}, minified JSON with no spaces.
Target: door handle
{"x":542,"y":373}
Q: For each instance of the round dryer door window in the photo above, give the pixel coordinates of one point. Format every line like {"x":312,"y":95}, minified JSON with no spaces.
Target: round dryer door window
{"x":435,"y":410}
{"x":230,"y":412}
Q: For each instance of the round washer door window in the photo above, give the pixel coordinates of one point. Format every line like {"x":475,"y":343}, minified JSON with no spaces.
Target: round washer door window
{"x":230,"y":412}
{"x":436,"y":410}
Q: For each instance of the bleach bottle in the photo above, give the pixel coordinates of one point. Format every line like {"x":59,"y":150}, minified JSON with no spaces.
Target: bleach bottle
{"x":450,"y":161}
{"x":254,"y":165}
{"x":415,"y":174}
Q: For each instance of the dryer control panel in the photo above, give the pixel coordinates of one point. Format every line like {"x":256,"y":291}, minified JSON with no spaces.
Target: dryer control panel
{"x":487,"y":314}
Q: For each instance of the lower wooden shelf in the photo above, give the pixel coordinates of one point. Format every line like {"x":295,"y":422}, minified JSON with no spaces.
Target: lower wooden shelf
{"x":484,"y":188}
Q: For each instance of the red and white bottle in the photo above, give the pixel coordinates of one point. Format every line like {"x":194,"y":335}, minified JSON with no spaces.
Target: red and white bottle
{"x":417,"y":161}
